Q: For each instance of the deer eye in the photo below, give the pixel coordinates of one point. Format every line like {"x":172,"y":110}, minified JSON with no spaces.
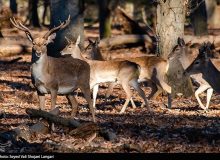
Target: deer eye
{"x":197,"y":62}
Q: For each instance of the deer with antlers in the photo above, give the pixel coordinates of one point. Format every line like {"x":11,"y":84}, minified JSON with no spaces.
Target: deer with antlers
{"x":56,"y":75}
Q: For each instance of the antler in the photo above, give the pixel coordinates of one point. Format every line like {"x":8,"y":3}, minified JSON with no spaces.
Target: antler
{"x":20,"y":26}
{"x":55,"y":29}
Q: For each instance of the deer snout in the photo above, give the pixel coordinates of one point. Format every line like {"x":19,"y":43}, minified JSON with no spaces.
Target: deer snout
{"x":38,"y":53}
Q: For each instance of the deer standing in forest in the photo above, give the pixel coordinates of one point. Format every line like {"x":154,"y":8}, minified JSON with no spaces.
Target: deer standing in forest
{"x":153,"y":70}
{"x":186,"y":53}
{"x":56,"y":75}
{"x":124,"y":72}
{"x":208,"y":63}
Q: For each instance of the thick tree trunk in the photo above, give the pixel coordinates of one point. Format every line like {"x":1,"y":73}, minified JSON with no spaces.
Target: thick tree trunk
{"x":59,"y":12}
{"x":34,"y":19}
{"x":213,"y":12}
{"x":199,"y":18}
{"x":13,"y":6}
{"x":170,"y":26}
{"x":104,"y":18}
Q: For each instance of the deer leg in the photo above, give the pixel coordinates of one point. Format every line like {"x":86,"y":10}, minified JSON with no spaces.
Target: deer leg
{"x":135,"y":85}
{"x":41,"y":101}
{"x":95,"y":92}
{"x":209,"y":95}
{"x":109,"y":91}
{"x":53,"y":98}
{"x":132,"y":103}
{"x":167,"y":88}
{"x":155,"y":91}
{"x":87,"y":95}
{"x":201,"y":89}
{"x":127,"y":90}
{"x":73,"y":103}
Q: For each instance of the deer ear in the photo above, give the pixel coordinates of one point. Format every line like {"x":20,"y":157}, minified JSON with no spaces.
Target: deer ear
{"x":51,"y":38}
{"x":97,"y":41}
{"x":180,"y":41}
{"x":78,"y":40}
{"x":90,"y":41}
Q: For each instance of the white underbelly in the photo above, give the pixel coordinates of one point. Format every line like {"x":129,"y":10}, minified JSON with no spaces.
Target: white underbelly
{"x":65,"y":90}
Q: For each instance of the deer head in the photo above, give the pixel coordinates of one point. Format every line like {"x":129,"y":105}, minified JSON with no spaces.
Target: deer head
{"x":40,"y":43}
{"x":185,"y":53}
{"x":206,"y":51}
{"x":72,"y":48}
{"x":93,"y":50}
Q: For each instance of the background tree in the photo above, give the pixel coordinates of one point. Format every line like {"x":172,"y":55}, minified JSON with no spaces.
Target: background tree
{"x":60,"y":11}
{"x":13,"y":6}
{"x":104,"y":18}
{"x":46,"y":7}
{"x":33,"y":14}
{"x":199,"y":17}
{"x":170,"y":26}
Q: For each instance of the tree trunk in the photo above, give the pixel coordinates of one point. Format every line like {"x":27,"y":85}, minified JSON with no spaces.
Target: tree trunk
{"x":199,"y":18}
{"x":34,"y":19}
{"x":46,"y":6}
{"x":170,"y":26}
{"x":213,"y":12}
{"x":13,"y":6}
{"x":59,"y":13}
{"x":104,"y":18}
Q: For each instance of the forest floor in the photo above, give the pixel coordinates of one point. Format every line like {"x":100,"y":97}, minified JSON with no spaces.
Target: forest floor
{"x":184,"y":128}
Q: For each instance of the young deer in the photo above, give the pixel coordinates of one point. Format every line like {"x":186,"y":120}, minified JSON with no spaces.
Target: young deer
{"x":204,"y":63}
{"x":186,"y":54}
{"x":153,"y":70}
{"x":56,"y":75}
{"x":124,"y":72}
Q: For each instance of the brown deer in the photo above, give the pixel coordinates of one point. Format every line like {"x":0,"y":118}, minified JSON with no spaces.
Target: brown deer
{"x":207,"y":63}
{"x":124,"y":72}
{"x":153,"y":70}
{"x":56,"y":75}
{"x":186,"y":53}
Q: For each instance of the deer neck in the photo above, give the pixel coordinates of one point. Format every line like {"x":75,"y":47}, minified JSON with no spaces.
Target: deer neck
{"x":212,"y":76}
{"x":39,"y":68}
{"x":185,"y":59}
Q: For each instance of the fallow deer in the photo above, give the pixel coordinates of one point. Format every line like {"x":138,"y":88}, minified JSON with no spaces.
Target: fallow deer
{"x":153,"y":70}
{"x":207,"y":63}
{"x":186,"y":53}
{"x":124,"y":72}
{"x":56,"y":75}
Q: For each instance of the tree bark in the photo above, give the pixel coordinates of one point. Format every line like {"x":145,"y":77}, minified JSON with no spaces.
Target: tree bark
{"x":33,"y":14}
{"x":170,"y":26}
{"x":13,"y":6}
{"x":199,"y":18}
{"x":104,"y":18}
{"x":59,"y":13}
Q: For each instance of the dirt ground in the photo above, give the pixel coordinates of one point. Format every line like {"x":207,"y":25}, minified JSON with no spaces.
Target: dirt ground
{"x":184,"y":128}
